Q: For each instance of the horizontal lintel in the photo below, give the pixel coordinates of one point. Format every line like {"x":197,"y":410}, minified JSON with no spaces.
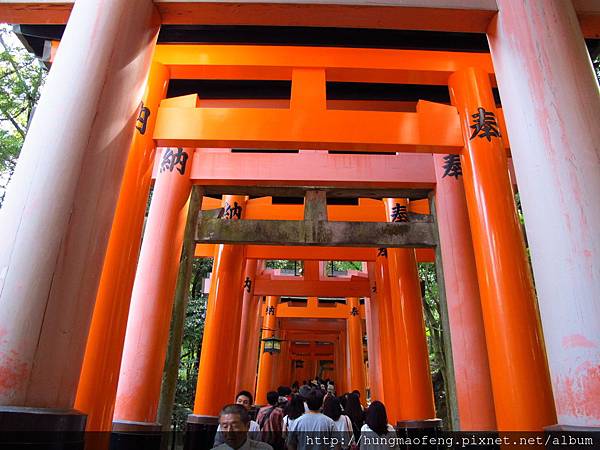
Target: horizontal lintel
{"x":310,"y":288}
{"x":305,"y":233}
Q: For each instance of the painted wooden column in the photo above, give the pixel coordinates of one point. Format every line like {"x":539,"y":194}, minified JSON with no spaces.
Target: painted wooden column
{"x":551,"y":106}
{"x":266,"y":361}
{"x":337,"y":373}
{"x":249,"y":335}
{"x":372,"y":311}
{"x":355,"y":349}
{"x":60,"y":203}
{"x":219,"y":356}
{"x":473,"y":382}
{"x":284,"y":362}
{"x":520,"y":382}
{"x":415,"y":391}
{"x":344,"y":361}
{"x":147,"y":333}
{"x":275,"y":371}
{"x":389,"y":364}
{"x":97,"y":389}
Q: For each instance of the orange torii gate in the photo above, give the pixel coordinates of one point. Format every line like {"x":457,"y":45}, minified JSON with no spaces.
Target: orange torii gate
{"x":82,"y":166}
{"x":309,"y":123}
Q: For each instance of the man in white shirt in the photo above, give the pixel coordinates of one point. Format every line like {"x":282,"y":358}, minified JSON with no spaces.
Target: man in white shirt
{"x":234,"y":422}
{"x":244,"y":398}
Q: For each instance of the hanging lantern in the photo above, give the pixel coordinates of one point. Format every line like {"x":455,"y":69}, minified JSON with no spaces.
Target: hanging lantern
{"x":272,"y":345}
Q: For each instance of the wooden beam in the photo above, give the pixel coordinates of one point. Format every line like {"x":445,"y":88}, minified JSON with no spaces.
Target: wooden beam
{"x":311,"y":253}
{"x":309,"y":128}
{"x":333,"y":191}
{"x":307,"y":233}
{"x":356,"y":287}
{"x":218,"y":167}
{"x":472,"y":16}
{"x":254,"y":62}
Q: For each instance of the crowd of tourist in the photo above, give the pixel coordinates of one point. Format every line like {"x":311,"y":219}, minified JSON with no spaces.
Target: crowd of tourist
{"x":306,"y":417}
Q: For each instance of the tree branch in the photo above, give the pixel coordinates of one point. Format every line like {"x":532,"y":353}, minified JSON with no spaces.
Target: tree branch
{"x":13,"y":122}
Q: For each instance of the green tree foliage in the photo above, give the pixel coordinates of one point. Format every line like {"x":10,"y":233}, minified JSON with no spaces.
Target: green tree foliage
{"x":191,"y":344}
{"x":435,"y":336}
{"x":22,"y":76}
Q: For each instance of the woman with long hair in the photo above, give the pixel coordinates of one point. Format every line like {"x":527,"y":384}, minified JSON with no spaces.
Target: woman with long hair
{"x":377,"y":433}
{"x":354,"y":411}
{"x":293,"y":410}
{"x":343,"y":425}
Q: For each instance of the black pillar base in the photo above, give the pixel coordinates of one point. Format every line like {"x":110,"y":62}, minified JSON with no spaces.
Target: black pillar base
{"x":41,"y":428}
{"x":413,"y":431}
{"x":128,"y":435}
{"x":200,"y":432}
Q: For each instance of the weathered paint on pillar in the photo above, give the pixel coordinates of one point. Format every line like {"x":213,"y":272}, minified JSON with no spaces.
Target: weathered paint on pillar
{"x":60,"y":203}
{"x":551,"y":105}
{"x":97,"y":389}
{"x":219,"y":356}
{"x":147,"y":333}
{"x":372,"y":311}
{"x":415,"y":391}
{"x":355,"y":349}
{"x":469,"y":352}
{"x":389,"y":365}
{"x":249,"y":335}
{"x":520,"y":381}
{"x":266,"y":362}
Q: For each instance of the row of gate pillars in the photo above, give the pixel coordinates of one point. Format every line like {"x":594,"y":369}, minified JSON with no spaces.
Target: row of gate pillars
{"x":33,"y":330}
{"x":141,"y":370}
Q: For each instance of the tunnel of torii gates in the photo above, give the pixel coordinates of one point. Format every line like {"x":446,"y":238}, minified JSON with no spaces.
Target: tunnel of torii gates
{"x":85,"y":311}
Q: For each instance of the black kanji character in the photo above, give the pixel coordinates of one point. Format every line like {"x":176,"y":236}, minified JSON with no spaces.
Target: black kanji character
{"x":452,"y":167}
{"x":248,"y":284}
{"x":170,"y":160}
{"x":399,"y":213}
{"x":234,"y":212}
{"x":484,"y":125}
{"x":142,"y":119}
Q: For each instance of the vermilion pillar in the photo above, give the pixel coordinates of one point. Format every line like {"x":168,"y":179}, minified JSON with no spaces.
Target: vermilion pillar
{"x":249,"y":334}
{"x":153,"y":290}
{"x":100,"y":372}
{"x":372,"y":312}
{"x":218,"y":360}
{"x":551,"y":106}
{"x":345,"y":381}
{"x":355,"y":349}
{"x":469,"y":352}
{"x":284,"y":363}
{"x":520,"y":382}
{"x":415,"y":391}
{"x":337,"y":372}
{"x":265,"y":365}
{"x":60,"y":205}
{"x":389,"y":364}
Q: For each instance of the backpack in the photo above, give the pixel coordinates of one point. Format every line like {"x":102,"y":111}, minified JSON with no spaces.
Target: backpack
{"x":275,"y":439}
